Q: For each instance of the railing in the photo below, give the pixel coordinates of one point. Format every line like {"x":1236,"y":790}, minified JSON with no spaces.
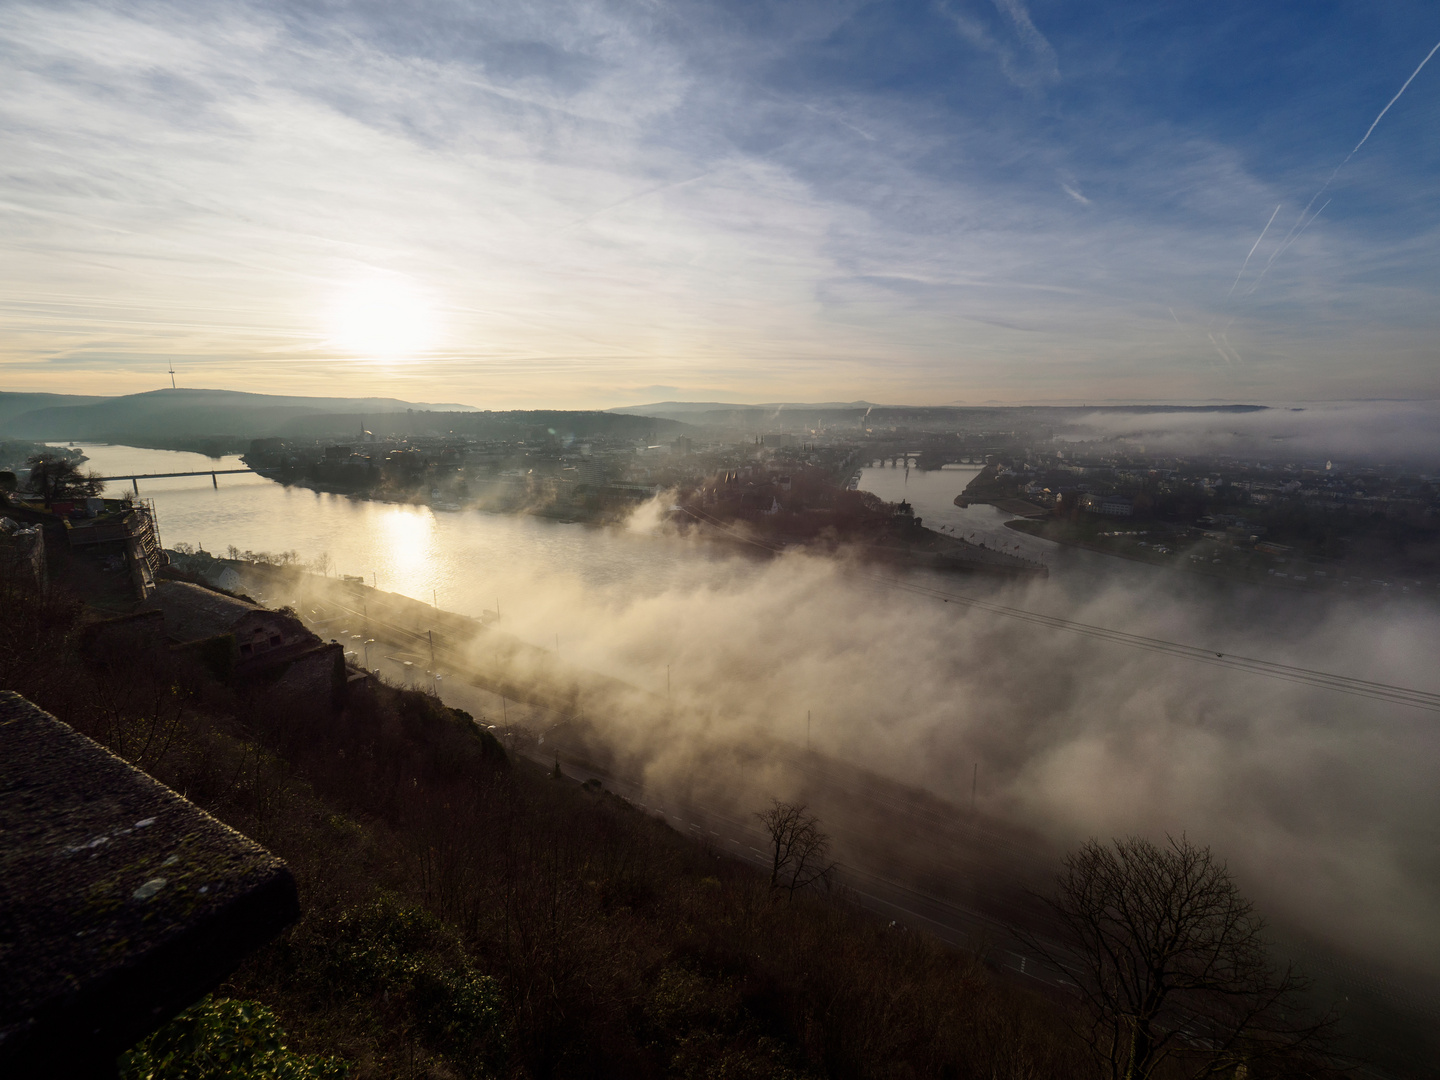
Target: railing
{"x":165,"y":475}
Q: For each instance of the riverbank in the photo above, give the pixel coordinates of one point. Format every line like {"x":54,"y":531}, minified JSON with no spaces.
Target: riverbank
{"x":1193,"y":561}
{"x":1018,"y":507}
{"x":926,"y":549}
{"x":487,"y":496}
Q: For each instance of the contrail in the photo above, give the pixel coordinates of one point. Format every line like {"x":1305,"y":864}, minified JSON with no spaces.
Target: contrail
{"x":1301,"y":227}
{"x":1396,"y":98}
{"x":1284,"y":246}
{"x":1313,"y":216}
{"x":1223,"y":354}
{"x":631,"y":198}
{"x":1252,"y":252}
{"x":1184,"y":330}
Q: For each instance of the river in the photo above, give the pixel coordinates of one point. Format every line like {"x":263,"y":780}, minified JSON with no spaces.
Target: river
{"x":1324,"y":802}
{"x":462,"y":559}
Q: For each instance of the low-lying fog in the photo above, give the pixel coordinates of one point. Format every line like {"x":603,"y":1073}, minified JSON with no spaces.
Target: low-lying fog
{"x":1364,"y":432}
{"x":1324,"y":804}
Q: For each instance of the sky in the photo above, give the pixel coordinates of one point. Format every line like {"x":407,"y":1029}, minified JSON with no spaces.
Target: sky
{"x":573,"y":204}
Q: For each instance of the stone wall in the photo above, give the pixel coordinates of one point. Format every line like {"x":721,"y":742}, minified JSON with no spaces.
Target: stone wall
{"x":310,"y":679}
{"x":22,"y":557}
{"x":133,"y":633}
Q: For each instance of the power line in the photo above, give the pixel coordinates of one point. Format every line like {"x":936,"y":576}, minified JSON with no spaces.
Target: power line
{"x":1344,"y":684}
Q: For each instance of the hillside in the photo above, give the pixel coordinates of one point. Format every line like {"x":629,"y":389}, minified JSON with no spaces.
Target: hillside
{"x":171,"y":414}
{"x":224,"y":421}
{"x":13,"y":405}
{"x":469,"y":913}
{"x":798,"y":416}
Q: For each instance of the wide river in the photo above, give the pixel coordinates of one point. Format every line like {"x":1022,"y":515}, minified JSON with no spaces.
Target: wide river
{"x":460,"y":556}
{"x":1324,"y":802}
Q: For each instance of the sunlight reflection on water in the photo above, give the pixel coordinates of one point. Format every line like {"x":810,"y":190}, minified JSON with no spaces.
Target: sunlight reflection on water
{"x":469,"y":559}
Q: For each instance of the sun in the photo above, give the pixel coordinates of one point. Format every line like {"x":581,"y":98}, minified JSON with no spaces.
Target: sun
{"x":383,"y":317}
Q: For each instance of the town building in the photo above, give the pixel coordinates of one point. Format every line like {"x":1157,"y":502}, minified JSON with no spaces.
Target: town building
{"x":1109,"y":505}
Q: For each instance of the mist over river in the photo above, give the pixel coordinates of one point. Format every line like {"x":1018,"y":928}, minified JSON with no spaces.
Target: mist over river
{"x":1324,"y":803}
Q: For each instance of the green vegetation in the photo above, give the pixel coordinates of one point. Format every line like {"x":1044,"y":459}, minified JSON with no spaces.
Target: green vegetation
{"x":215,"y":1039}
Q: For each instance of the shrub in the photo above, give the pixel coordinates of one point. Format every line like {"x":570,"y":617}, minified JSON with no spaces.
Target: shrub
{"x":411,"y":957}
{"x":224,"y":1038}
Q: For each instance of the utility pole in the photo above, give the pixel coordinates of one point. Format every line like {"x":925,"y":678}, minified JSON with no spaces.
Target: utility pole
{"x":172,"y":375}
{"x":667,"y":682}
{"x":807,"y":729}
{"x":974,"y":782}
{"x":431,"y":635}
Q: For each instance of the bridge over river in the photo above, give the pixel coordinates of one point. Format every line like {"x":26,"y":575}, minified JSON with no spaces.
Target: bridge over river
{"x":135,"y":478}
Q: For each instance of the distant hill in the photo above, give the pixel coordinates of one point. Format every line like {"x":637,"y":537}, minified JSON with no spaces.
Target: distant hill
{"x":220,"y":422}
{"x":191,"y":414}
{"x":793,"y":416}
{"x":686,"y":408}
{"x":12,"y":405}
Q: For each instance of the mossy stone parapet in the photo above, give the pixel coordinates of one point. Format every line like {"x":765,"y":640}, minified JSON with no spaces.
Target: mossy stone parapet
{"x":121,"y":903}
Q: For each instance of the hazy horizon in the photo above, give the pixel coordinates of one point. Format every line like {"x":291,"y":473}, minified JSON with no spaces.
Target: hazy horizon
{"x":596,"y":205}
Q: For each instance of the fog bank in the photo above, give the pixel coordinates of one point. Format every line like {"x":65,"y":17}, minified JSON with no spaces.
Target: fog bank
{"x":1323,"y":803}
{"x":1394,"y":432}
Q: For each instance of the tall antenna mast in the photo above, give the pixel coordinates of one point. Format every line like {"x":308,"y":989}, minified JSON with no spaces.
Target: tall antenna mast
{"x":172,"y":375}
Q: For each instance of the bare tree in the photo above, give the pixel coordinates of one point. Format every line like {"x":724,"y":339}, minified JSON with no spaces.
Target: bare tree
{"x":800,"y":852}
{"x":1172,"y":966}
{"x":53,"y":478}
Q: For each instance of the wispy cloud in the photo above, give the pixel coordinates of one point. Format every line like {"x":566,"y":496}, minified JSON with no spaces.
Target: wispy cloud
{"x":1039,"y":48}
{"x":592,"y":196}
{"x":1026,"y":57}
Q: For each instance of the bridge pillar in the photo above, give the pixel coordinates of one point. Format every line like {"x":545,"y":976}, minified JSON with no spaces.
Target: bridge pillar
{"x":214,"y":481}
{"x":135,"y":484}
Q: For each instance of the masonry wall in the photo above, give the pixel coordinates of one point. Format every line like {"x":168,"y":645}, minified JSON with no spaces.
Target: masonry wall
{"x":22,"y":556}
{"x":310,"y":679}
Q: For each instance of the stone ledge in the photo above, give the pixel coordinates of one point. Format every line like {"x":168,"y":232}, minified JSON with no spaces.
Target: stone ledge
{"x":120,"y":902}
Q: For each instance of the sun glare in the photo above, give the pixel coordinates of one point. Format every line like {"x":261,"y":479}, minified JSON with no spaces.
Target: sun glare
{"x":383,"y":318}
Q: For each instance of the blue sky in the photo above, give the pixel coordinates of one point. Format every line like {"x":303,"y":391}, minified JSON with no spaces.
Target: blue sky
{"x":591,"y":204}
